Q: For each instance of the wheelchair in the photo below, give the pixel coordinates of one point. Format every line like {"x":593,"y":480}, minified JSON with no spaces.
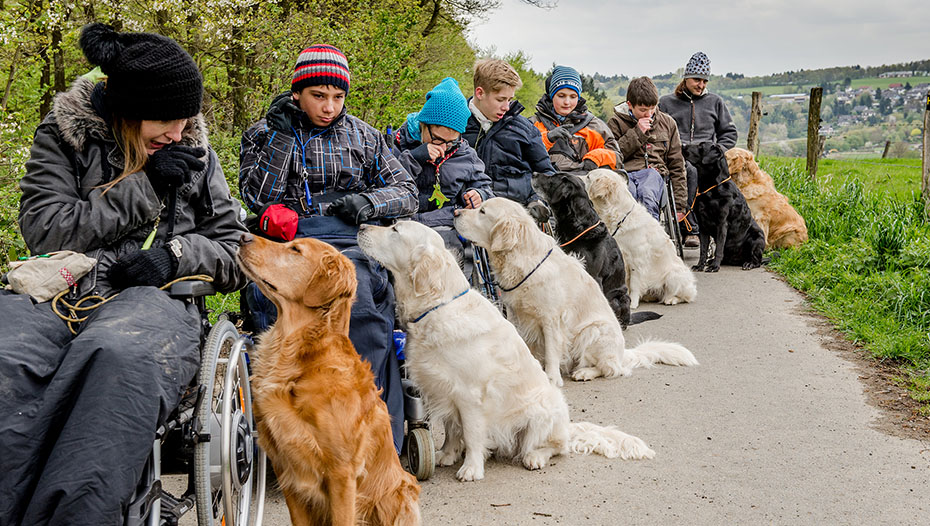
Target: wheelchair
{"x":211,"y":436}
{"x":668,"y":217}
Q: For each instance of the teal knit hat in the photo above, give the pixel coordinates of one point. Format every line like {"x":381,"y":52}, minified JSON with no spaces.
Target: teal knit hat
{"x":446,"y":106}
{"x":563,"y":77}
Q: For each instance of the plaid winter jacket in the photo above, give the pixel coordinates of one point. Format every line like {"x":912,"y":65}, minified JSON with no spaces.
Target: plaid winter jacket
{"x":285,"y":159}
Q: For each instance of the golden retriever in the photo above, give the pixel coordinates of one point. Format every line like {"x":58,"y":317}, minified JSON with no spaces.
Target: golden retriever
{"x":476,"y":375}
{"x":319,"y":416}
{"x":654,"y":268}
{"x":555,"y":304}
{"x":782,"y":224}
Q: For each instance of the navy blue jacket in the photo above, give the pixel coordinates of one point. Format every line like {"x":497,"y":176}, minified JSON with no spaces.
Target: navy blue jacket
{"x":461,"y":172}
{"x":512,"y":149}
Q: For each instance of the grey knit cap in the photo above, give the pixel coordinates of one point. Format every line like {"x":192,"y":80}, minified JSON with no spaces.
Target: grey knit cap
{"x":698,"y":67}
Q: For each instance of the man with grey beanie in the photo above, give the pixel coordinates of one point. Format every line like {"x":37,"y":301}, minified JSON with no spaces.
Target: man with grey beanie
{"x":701,"y":117}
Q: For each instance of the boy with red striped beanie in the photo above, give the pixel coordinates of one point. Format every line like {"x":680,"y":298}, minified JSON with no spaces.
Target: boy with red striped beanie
{"x":309,"y":169}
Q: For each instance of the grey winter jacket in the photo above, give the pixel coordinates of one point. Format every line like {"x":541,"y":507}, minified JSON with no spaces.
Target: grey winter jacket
{"x":63,"y":206}
{"x":703,"y":118}
{"x":284,"y":157}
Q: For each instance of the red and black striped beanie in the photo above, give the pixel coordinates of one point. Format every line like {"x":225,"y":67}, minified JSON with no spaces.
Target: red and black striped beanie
{"x":321,"y":65}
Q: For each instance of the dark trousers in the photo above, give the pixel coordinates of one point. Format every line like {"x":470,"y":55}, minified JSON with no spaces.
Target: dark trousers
{"x":371,"y":326}
{"x":692,"y":176}
{"x":78,"y":414}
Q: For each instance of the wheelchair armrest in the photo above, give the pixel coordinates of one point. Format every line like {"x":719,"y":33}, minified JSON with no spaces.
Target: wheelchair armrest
{"x":191,"y":289}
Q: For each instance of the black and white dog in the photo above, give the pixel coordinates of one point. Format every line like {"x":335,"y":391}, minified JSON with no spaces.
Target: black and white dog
{"x":722,"y":212}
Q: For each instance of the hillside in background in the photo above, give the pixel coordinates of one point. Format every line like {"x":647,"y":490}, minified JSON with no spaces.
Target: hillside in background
{"x":862,"y":107}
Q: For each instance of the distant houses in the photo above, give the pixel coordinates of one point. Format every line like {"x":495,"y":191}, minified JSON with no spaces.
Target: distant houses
{"x":902,"y":74}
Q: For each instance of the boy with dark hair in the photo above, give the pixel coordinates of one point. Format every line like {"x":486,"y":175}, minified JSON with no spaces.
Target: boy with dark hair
{"x":650,"y":146}
{"x":508,"y":143}
{"x":309,"y":169}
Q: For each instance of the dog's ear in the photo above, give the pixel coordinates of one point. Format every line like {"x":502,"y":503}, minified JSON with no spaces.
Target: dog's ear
{"x":506,"y":233}
{"x":722,"y":166}
{"x":334,"y":278}
{"x":427,"y":267}
{"x":599,"y":187}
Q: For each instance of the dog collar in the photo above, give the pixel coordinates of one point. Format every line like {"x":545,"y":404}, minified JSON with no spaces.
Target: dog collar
{"x":590,"y":228}
{"x":528,"y":275}
{"x":622,"y":219}
{"x":457,"y":296}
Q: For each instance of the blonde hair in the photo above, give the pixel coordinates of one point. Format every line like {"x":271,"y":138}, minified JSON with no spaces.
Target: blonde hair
{"x":493,"y":74}
{"x":128,"y":136}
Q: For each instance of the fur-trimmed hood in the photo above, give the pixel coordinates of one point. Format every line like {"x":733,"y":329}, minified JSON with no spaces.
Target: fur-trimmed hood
{"x":78,"y":122}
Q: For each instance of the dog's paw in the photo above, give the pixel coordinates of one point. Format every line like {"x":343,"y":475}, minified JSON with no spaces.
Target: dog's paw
{"x":536,"y":459}
{"x":698,"y":268}
{"x":556,"y":380}
{"x":447,"y":458}
{"x":672,"y":301}
{"x":469,"y":473}
{"x":634,"y":303}
{"x":712,"y":268}
{"x":583,"y":374}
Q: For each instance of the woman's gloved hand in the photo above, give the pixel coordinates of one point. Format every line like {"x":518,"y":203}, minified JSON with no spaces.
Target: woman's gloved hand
{"x":153,"y":267}
{"x":172,"y":166}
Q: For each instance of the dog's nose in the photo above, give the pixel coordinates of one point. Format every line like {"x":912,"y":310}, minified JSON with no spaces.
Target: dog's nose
{"x":246,"y":238}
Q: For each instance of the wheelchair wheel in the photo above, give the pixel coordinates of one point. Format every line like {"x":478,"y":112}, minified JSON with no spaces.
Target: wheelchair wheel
{"x":421,"y":454}
{"x":229,"y":469}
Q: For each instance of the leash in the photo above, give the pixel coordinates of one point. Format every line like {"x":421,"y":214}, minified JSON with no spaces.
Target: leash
{"x":457,"y":296}
{"x":73,"y":310}
{"x":690,"y":208}
{"x":590,"y":228}
{"x":528,"y":275}
{"x":622,"y":220}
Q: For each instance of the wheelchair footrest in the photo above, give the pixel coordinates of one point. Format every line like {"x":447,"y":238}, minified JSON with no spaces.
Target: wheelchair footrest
{"x":173,"y":508}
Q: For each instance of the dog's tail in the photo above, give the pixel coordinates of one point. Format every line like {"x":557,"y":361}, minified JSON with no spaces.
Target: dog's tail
{"x":651,"y":352}
{"x":646,"y":315}
{"x":586,"y":438}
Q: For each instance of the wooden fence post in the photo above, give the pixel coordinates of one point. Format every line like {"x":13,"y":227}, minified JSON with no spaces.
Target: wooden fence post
{"x":885,"y":152}
{"x":752,"y":138}
{"x":925,"y":180}
{"x":813,"y":131}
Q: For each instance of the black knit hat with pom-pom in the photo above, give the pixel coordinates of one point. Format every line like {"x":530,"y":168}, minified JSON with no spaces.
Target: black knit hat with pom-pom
{"x":149,"y":76}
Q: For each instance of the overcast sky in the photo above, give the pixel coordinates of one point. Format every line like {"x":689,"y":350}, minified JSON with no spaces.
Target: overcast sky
{"x":753,"y":37}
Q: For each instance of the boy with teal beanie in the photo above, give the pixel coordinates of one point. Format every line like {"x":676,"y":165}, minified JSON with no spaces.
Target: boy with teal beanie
{"x":446,"y":170}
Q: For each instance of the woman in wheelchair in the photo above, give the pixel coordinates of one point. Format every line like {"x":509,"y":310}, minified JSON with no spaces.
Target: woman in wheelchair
{"x":121,"y":172}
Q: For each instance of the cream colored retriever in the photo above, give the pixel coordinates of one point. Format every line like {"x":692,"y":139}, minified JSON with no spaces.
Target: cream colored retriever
{"x":476,"y":375}
{"x":556,"y":305}
{"x":782,"y":225}
{"x":654,"y":268}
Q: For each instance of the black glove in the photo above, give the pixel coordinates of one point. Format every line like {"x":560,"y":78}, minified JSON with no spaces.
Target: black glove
{"x":153,"y":267}
{"x":589,"y":165}
{"x":421,"y":154}
{"x":558,"y":133}
{"x":282,"y":113}
{"x":354,"y":209}
{"x":539,"y":211}
{"x":172,"y":166}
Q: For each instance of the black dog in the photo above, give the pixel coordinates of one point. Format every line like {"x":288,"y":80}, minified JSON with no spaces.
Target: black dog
{"x":722,"y":212}
{"x":582,"y":233}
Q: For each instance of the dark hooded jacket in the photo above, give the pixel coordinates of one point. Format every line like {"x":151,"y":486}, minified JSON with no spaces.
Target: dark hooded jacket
{"x":64,"y":207}
{"x":458,"y":173}
{"x":512,"y":150}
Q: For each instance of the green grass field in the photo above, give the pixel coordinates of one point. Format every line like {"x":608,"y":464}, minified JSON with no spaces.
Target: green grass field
{"x":899,"y":178}
{"x":872,"y":82}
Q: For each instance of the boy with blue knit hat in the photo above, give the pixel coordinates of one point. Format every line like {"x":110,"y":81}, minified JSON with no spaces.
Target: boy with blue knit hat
{"x":309,"y":169}
{"x":702,"y":117}
{"x":447,"y":171}
{"x":576,"y":140}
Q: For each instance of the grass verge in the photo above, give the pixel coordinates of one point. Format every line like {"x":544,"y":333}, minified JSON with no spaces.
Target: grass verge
{"x":867,"y":264}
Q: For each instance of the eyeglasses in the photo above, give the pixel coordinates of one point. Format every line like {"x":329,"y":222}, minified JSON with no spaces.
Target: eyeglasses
{"x":439,"y":141}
